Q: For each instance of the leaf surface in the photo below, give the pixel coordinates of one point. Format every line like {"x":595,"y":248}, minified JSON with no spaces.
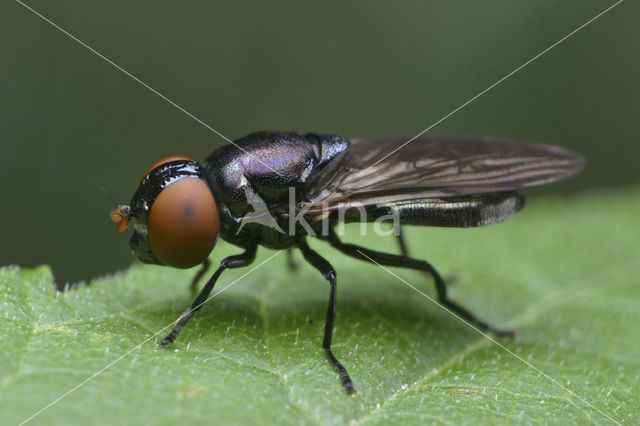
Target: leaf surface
{"x":564,"y":272}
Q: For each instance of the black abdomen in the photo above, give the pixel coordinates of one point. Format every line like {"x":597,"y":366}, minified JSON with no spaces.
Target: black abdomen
{"x":475,"y":210}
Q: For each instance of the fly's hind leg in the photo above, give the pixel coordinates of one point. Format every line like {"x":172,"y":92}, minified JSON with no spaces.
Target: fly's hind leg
{"x":401,"y":241}
{"x":407,"y":262}
{"x":404,"y":249}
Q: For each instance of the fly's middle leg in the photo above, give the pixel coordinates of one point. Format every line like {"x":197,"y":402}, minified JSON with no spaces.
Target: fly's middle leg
{"x":293,"y":265}
{"x":329,"y":273}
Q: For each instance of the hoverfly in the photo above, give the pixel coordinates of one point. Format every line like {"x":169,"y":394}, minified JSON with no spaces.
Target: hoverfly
{"x":274,"y":178}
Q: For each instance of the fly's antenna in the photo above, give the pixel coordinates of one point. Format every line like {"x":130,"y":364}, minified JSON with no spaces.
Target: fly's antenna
{"x":107,"y":194}
{"x":119,"y":214}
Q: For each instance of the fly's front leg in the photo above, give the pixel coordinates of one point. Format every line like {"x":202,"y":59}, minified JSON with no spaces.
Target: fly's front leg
{"x":196,"y":279}
{"x":407,"y":262}
{"x":236,"y":261}
{"x":329,"y":273}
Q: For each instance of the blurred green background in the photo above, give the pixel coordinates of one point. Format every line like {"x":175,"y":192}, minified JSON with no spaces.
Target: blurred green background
{"x":71,"y":122}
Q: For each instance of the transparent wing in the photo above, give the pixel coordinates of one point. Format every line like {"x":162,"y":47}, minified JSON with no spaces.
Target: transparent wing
{"x":375,"y":171}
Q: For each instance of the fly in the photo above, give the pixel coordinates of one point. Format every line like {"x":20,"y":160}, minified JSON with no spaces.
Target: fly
{"x":276,"y":189}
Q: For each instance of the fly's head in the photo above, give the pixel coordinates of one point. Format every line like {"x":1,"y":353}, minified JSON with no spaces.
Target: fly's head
{"x":175,"y":216}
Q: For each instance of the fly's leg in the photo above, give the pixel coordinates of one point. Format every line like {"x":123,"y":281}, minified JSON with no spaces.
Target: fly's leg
{"x":290,"y":260}
{"x":404,"y":249}
{"x":196,"y":279}
{"x":407,"y":262}
{"x":329,"y":273}
{"x":236,"y":261}
{"x":401,"y":242}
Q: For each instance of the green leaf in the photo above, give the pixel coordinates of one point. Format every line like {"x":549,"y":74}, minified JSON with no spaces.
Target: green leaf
{"x":564,"y":272}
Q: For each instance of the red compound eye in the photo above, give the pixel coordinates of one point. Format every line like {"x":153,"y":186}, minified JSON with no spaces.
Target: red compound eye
{"x":183,"y":223}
